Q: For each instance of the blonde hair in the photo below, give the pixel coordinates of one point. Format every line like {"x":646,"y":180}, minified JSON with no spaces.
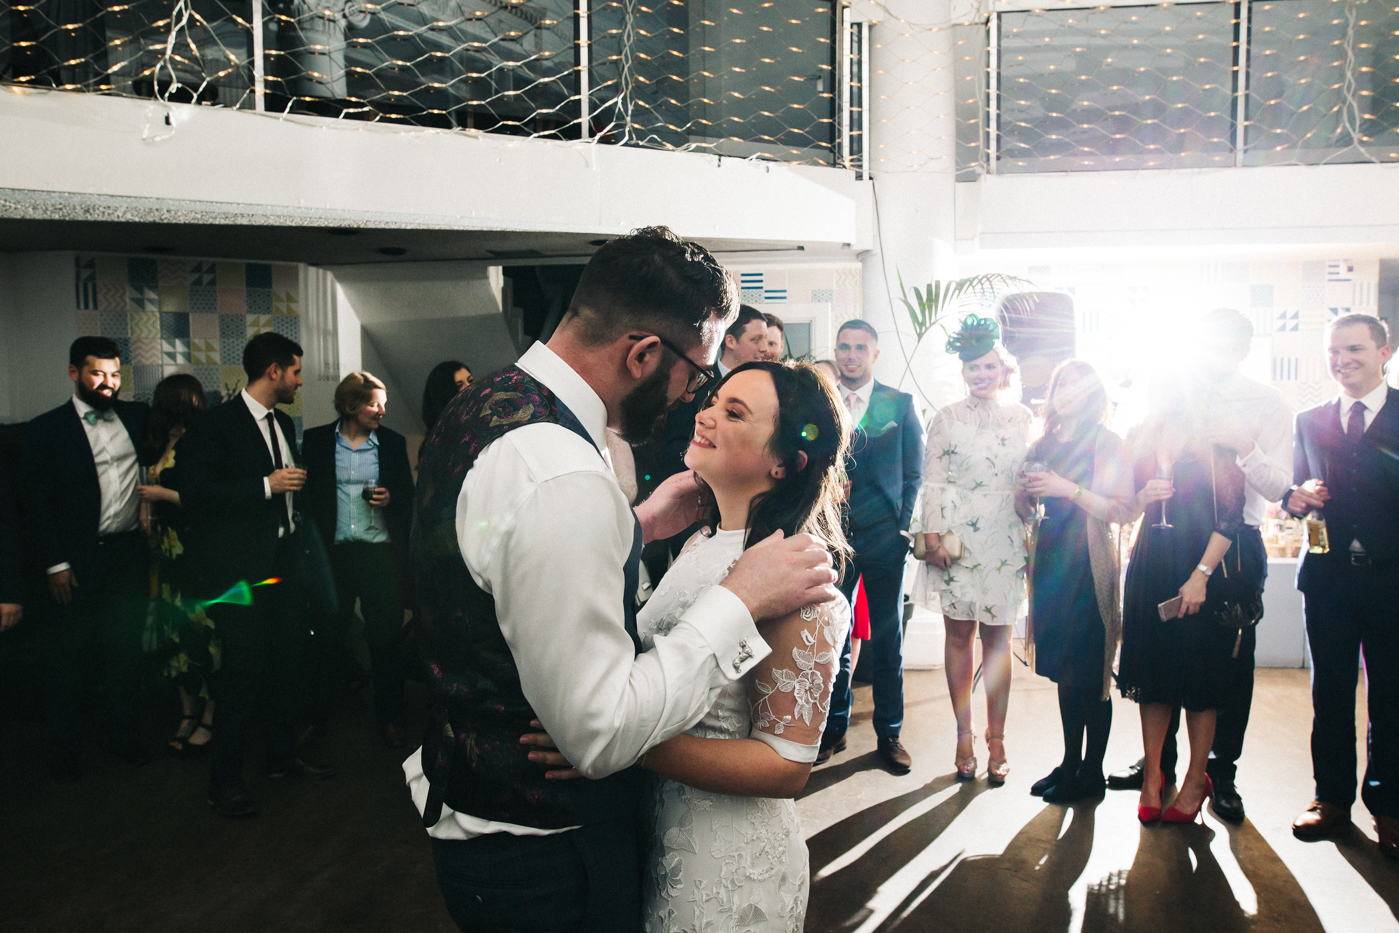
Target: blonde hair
{"x":354,"y":392}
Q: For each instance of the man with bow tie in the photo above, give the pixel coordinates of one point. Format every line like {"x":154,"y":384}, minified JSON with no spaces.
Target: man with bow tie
{"x":82,"y":462}
{"x":885,"y":469}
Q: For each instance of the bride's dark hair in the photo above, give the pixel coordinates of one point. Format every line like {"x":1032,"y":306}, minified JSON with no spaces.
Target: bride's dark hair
{"x":810,"y":420}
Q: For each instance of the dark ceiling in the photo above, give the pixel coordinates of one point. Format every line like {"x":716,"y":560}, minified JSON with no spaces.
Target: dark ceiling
{"x":315,"y":245}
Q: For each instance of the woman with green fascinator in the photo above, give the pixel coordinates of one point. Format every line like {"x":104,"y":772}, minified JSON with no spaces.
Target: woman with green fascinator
{"x":974,"y":542}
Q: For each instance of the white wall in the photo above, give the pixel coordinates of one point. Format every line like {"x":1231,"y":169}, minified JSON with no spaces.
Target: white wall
{"x":37,"y":324}
{"x":1279,"y":206}
{"x":286,"y":168}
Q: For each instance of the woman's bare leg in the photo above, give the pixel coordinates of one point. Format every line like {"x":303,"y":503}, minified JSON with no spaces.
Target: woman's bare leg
{"x":1156,"y":719}
{"x":995,"y":668}
{"x":959,"y":648}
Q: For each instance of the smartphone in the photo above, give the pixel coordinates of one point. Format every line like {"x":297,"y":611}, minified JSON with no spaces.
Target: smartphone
{"x":1169,"y":609}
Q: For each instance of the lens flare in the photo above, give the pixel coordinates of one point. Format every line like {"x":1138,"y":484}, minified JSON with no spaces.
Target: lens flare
{"x":810,"y":433}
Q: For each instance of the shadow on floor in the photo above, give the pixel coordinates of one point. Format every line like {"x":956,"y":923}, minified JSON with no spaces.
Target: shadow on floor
{"x":1377,"y":870}
{"x":1046,"y":879}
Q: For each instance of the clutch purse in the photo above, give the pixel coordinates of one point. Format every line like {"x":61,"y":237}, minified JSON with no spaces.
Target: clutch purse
{"x":950,"y":542}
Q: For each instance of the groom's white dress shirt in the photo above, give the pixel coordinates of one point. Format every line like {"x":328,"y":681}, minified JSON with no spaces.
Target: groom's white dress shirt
{"x":546,"y":530}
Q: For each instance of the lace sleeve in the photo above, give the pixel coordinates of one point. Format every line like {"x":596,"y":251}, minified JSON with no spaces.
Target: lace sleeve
{"x":790,"y":692}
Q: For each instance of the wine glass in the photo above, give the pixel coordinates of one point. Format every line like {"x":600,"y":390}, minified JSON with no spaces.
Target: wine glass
{"x":1037,"y":466}
{"x":371,"y":487}
{"x":1165,"y":469}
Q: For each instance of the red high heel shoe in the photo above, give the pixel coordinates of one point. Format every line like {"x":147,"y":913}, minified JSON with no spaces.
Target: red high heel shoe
{"x":1151,"y":814}
{"x":1173,"y":815}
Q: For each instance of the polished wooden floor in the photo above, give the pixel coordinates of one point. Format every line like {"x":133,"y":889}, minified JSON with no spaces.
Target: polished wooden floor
{"x":138,"y":849}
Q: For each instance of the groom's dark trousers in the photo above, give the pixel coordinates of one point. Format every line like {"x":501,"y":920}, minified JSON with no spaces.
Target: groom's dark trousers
{"x":585,"y":880}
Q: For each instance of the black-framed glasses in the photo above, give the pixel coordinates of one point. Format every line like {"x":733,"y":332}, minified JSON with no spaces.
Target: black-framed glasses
{"x":698,"y":378}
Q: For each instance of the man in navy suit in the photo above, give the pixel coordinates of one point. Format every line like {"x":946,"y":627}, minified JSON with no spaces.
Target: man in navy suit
{"x":82,"y":463}
{"x":239,"y":479}
{"x":885,"y":470}
{"x":1346,"y":463}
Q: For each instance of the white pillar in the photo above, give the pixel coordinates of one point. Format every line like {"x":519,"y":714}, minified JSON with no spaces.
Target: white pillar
{"x":911,"y":146}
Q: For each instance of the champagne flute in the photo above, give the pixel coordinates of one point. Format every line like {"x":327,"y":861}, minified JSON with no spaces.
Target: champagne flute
{"x":1165,"y":469}
{"x":1037,"y":466}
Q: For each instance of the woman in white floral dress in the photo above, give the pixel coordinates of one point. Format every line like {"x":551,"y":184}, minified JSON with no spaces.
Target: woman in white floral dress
{"x":727,"y":851}
{"x":976,"y":448}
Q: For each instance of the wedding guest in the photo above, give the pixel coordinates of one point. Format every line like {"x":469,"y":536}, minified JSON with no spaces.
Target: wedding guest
{"x":11,"y":556}
{"x":1254,"y":421}
{"x":239,"y":484}
{"x":525,"y":558}
{"x":443,"y":383}
{"x":1193,"y":494}
{"x":182,"y":631}
{"x":776,"y":338}
{"x":82,"y":463}
{"x":345,"y":459}
{"x":1075,"y":621}
{"x":976,"y":448}
{"x":884,"y":468}
{"x":1345,"y":467}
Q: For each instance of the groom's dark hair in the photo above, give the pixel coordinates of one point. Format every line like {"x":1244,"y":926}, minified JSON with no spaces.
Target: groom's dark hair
{"x":653,"y":282}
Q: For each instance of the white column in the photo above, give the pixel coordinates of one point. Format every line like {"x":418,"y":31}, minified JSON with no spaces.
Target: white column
{"x":912,"y":163}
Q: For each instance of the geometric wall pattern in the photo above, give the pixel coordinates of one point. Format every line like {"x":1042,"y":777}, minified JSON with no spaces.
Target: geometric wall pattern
{"x":186,"y":316}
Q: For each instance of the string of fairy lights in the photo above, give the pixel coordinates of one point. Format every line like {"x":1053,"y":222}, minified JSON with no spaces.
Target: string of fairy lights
{"x":1171,"y":85}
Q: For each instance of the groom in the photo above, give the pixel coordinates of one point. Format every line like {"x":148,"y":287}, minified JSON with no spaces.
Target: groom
{"x":525,"y":556}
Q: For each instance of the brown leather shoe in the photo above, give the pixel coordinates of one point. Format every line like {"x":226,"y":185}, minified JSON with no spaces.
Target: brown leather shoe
{"x":1320,"y":821}
{"x":1388,"y":829}
{"x":894,"y":755}
{"x":824,"y":755}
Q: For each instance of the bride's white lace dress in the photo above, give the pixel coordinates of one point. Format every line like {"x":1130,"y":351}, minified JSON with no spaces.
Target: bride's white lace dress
{"x":723,"y":863}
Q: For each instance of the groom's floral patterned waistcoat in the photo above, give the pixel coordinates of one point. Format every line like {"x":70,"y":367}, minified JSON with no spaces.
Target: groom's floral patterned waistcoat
{"x":472,"y":754}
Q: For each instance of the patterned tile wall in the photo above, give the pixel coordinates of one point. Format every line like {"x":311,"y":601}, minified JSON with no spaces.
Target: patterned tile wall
{"x":186,"y":316}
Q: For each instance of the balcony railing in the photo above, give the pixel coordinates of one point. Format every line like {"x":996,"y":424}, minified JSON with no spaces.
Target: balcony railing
{"x":745,"y":78}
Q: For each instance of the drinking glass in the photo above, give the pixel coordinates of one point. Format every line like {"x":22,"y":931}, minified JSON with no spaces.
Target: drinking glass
{"x":1037,"y":466}
{"x":367,"y":493}
{"x":1165,"y":469}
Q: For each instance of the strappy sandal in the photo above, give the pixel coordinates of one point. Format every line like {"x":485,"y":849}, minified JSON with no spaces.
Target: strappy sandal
{"x":996,"y":771}
{"x":966,"y":767}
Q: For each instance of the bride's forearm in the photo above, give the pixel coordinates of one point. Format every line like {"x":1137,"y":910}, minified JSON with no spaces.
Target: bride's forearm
{"x":740,"y":767}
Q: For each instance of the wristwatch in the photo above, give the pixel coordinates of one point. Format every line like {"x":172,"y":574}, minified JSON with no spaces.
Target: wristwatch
{"x":1203,"y":569}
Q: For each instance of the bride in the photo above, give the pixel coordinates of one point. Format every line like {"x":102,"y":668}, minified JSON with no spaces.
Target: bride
{"x":727,"y":852}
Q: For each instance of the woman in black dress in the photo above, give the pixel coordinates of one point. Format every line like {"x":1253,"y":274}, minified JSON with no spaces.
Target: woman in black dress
{"x":1075,"y":621}
{"x":1194,"y":497}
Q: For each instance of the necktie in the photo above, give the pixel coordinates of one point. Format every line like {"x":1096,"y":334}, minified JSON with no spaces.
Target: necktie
{"x":94,"y":416}
{"x":277,"y":464}
{"x":852,"y":399}
{"x":1355,"y":424}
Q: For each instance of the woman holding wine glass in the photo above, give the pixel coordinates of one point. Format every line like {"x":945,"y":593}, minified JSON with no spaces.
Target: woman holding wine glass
{"x":359,"y":491}
{"x":974,"y":453}
{"x":1079,"y":474}
{"x":1172,"y":654}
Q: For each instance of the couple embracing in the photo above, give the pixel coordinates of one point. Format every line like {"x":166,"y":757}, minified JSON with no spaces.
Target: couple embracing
{"x":589,"y":766}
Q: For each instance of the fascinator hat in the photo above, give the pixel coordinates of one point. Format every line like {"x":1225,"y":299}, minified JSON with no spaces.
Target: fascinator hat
{"x":976,"y":337}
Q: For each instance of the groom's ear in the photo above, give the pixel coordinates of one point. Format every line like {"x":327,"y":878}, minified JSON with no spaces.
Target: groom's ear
{"x":643,"y":356}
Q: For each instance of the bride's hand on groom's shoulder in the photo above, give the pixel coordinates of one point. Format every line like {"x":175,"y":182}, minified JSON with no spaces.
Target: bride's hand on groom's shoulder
{"x":780,"y":575}
{"x":545,"y":754}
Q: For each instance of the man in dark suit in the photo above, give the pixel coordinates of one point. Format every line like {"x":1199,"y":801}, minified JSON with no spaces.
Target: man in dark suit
{"x":369,"y":540}
{"x":81,"y":465}
{"x":1344,"y":464}
{"x":885,"y":470}
{"x":239,"y":476}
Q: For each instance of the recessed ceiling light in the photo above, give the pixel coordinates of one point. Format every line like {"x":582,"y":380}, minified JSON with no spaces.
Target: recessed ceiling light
{"x":597,"y":242}
{"x":392,"y":250}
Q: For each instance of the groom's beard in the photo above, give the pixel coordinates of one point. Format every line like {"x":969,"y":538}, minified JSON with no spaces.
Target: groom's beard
{"x":99,"y":400}
{"x":644,"y":409}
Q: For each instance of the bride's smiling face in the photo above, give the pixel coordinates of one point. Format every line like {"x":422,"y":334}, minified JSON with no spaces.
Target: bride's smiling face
{"x":733,"y":432}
